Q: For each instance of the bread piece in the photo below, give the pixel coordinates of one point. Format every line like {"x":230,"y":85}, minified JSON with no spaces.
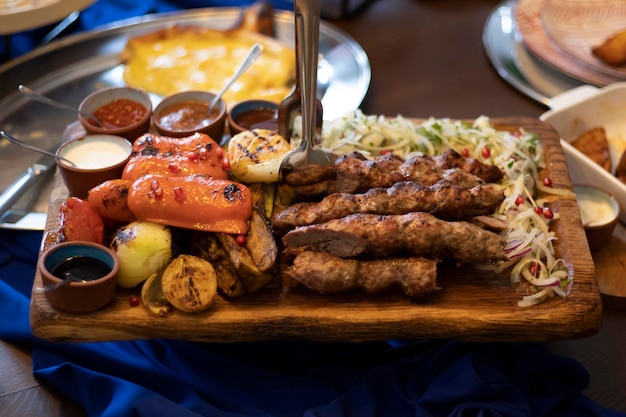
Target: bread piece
{"x":595,"y":145}
{"x":194,"y":57}
{"x":613,"y":50}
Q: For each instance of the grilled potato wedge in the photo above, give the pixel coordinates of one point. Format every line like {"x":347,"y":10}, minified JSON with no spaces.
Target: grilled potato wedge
{"x":251,"y":277}
{"x":207,"y":246}
{"x":260,"y":242}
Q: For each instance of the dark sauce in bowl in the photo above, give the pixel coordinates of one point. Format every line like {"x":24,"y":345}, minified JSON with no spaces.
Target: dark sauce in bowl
{"x":261,"y":118}
{"x":83,"y":268}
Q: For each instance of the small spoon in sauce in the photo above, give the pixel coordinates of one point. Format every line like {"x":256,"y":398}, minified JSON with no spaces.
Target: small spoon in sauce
{"x":67,"y":278}
{"x":46,"y":100}
{"x":24,"y":145}
{"x":251,"y":57}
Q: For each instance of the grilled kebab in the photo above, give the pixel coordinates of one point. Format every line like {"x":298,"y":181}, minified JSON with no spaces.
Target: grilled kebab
{"x":412,"y":234}
{"x":357,"y":174}
{"x":326,"y":273}
{"x":442,"y":199}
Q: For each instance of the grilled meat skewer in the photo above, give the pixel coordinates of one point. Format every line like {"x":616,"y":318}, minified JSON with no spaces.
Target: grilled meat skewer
{"x":324,"y":273}
{"x":356,"y":174}
{"x":412,"y":234}
{"x":443,"y":200}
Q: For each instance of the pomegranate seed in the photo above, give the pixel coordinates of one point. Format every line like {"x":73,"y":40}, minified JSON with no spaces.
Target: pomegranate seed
{"x":226,"y":164}
{"x":179,"y":194}
{"x":485,"y":152}
{"x":203,"y":153}
{"x":547,"y":213}
{"x":133,"y":300}
{"x":192,"y":156}
{"x":519,"y":201}
{"x":538,"y":210}
{"x":547,"y":182}
{"x":534,"y":268}
{"x":156,"y":189}
{"x":242,"y":240}
{"x":465,"y":153}
{"x":219,"y":152}
{"x":173,"y":167}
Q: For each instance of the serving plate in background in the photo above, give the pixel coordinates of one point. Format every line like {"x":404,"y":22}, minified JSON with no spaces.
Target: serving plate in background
{"x":16,"y":16}
{"x":534,"y":36}
{"x":471,"y":305}
{"x":71,"y":68}
{"x":576,"y":26}
{"x":515,"y":64}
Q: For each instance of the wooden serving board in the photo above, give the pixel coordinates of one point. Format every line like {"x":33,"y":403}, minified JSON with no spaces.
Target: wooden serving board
{"x":471,"y":305}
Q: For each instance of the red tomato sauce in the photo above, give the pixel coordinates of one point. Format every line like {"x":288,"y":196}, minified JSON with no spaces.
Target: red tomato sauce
{"x":120,"y":113}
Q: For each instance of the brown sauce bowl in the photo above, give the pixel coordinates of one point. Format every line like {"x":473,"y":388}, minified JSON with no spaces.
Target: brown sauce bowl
{"x":183,"y":114}
{"x":253,"y":114}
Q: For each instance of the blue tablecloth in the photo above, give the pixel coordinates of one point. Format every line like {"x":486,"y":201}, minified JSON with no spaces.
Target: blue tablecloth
{"x":154,"y":378}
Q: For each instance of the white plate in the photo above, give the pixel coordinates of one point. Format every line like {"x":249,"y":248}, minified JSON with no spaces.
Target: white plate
{"x":579,"y":25}
{"x":513,"y":62}
{"x":535,"y":38}
{"x":19,"y":15}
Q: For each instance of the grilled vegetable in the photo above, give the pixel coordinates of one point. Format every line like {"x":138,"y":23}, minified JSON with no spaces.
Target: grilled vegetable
{"x":196,"y":154}
{"x":251,"y":277}
{"x":79,"y":221}
{"x":260,"y":242}
{"x":207,"y":246}
{"x":189,"y":283}
{"x":143,"y":248}
{"x":255,"y":155}
{"x":193,"y":202}
{"x":109,"y":200}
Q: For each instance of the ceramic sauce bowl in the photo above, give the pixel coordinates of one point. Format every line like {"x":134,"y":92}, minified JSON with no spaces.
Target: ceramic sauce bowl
{"x":96,"y":158}
{"x":183,"y":114}
{"x":124,"y":111}
{"x":253,"y":114}
{"x":91,"y":270}
{"x":599,"y":212}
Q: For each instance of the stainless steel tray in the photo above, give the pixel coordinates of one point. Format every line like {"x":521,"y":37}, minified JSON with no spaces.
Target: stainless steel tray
{"x":71,"y":68}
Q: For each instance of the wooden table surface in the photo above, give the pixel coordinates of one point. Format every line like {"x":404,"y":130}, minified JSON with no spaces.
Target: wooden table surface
{"x":427,"y":59}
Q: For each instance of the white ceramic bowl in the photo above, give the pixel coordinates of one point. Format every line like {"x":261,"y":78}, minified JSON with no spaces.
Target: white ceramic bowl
{"x":581,"y":109}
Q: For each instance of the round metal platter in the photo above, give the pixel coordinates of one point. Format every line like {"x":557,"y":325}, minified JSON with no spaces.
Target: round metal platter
{"x":71,"y":68}
{"x":509,"y":56}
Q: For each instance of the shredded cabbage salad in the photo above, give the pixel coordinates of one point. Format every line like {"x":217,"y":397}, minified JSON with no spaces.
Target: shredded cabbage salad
{"x":529,"y":241}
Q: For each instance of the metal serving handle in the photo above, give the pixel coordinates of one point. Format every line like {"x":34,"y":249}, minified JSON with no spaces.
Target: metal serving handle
{"x":291,"y":106}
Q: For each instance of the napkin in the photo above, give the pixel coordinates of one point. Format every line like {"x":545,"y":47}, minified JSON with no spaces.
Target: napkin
{"x":153,"y":378}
